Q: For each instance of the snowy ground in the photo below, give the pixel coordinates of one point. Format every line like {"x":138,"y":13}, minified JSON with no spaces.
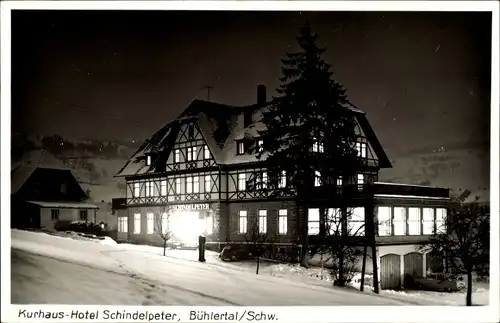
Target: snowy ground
{"x":318,"y":277}
{"x":49,"y":269}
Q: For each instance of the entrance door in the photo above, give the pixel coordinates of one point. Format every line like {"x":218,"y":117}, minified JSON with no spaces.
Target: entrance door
{"x":413,"y":264}
{"x":390,"y":271}
{"x":185,"y":225}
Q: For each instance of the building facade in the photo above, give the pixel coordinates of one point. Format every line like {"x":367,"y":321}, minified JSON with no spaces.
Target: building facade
{"x":192,"y":176}
{"x":43,"y":197}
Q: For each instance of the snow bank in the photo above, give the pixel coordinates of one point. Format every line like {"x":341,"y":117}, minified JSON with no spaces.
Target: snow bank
{"x":81,"y":252}
{"x":108,"y":241}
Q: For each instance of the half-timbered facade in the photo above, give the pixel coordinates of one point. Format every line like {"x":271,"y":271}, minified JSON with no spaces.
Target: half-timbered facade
{"x":195,"y":172}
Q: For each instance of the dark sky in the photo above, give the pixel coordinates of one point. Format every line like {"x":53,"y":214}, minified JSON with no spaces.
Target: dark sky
{"x":423,"y":78}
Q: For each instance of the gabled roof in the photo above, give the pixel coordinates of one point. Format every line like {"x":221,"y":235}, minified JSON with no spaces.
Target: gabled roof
{"x":221,"y":126}
{"x":46,"y":177}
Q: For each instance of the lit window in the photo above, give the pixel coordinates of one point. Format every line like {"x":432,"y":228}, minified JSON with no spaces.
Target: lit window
{"x":137,"y":223}
{"x":260,"y":145}
{"x":178,"y":186}
{"x":240,"y":147}
{"x":123,"y":224}
{"x":361,"y":148}
{"x":262,"y":221}
{"x":317,"y":146}
{"x":441,"y":220}
{"x":428,"y":220}
{"x":163,"y":188}
{"x":317,"y":178}
{"x":282,"y":182}
{"x":356,"y":221}
{"x":210,"y":224}
{"x":333,"y":225}
{"x":399,"y":221}
{"x":151,"y":223}
{"x":241,"y":182}
{"x":190,"y":152}
{"x":137,"y":189}
{"x":384,"y":221}
{"x":164,"y":223}
{"x":189,"y":185}
{"x":414,"y":222}
{"x":206,"y":152}
{"x":264,"y":180}
{"x":313,"y":221}
{"x":149,"y":188}
{"x":207,"y":183}
{"x":282,"y":221}
{"x":361,"y":179}
{"x":196,"y":184}
{"x":339,"y":181}
{"x":243,"y":221}
{"x":148,"y":160}
{"x":177,"y":156}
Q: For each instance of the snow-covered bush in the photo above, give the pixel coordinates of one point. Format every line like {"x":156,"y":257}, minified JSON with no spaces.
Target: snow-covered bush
{"x":80,"y":226}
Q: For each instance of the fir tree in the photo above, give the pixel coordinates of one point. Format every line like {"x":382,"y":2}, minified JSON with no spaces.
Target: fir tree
{"x":310,"y":130}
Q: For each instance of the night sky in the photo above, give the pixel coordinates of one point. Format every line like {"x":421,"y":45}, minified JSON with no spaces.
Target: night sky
{"x":423,"y":78}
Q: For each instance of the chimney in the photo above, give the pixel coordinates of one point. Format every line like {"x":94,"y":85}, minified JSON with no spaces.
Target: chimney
{"x":261,"y":94}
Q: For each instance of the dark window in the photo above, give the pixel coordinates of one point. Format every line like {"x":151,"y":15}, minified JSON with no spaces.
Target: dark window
{"x":240,"y":146}
{"x":54,"y":215}
{"x":64,"y":188}
{"x":83,"y":215}
{"x":191,"y":131}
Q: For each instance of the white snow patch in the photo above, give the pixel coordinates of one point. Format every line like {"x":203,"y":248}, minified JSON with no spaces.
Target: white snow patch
{"x":108,"y":241}
{"x":160,"y":280}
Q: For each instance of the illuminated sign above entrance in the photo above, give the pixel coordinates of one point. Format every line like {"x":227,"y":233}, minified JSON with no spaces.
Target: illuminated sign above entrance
{"x":190,"y":207}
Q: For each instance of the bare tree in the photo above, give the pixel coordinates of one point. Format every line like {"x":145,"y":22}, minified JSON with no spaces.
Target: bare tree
{"x":257,"y":237}
{"x":343,"y":232}
{"x":464,"y":242}
{"x":162,"y":228}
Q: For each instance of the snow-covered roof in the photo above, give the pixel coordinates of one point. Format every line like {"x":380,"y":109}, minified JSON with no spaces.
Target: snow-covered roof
{"x":221,"y":126}
{"x":399,"y":184}
{"x":411,"y":197}
{"x":61,"y":205}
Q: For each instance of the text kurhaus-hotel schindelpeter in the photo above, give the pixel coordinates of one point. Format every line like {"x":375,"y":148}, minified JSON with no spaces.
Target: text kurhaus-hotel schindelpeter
{"x":96,"y":315}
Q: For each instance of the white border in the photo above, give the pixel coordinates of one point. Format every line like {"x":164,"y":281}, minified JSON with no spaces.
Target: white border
{"x":323,"y":314}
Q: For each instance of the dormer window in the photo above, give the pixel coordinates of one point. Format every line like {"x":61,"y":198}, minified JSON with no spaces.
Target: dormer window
{"x":148,"y":160}
{"x":240,"y":148}
{"x":361,"y":148}
{"x":206,"y":152}
{"x":317,"y":179}
{"x":317,"y":146}
{"x":282,"y":180}
{"x":260,"y":145}
{"x":339,"y":181}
